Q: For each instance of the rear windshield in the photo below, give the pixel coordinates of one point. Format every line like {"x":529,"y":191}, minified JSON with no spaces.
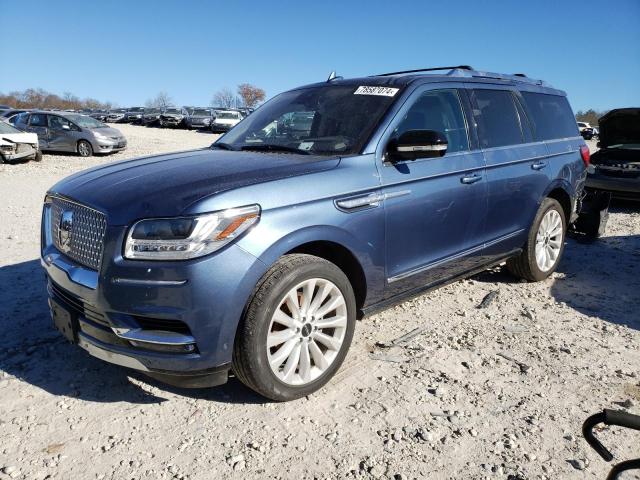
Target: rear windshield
{"x":551,"y":116}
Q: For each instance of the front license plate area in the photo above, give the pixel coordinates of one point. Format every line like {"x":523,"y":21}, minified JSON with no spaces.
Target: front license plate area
{"x":65,"y":322}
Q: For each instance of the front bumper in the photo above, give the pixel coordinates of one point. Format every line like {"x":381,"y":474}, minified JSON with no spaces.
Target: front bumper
{"x":126,"y":305}
{"x":25,"y":153}
{"x":620,"y":187}
{"x":220,"y":127}
{"x":109,"y":145}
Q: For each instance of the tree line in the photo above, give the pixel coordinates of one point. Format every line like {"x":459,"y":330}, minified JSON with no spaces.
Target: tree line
{"x":39,"y":98}
{"x":590,"y":116}
{"x":246,"y":95}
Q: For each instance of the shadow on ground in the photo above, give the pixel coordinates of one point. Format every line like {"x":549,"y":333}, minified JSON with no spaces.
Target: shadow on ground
{"x":34,"y":352}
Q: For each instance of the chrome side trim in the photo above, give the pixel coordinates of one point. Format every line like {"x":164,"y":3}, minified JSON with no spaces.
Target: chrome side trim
{"x":147,"y":283}
{"x":371,"y":200}
{"x":437,"y":263}
{"x":157,"y":337}
{"x":111,"y":357}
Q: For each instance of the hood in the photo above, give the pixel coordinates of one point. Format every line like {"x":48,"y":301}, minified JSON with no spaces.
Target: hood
{"x":620,"y":126}
{"x":165,"y":185}
{"x":30,"y":138}
{"x":107,"y":131}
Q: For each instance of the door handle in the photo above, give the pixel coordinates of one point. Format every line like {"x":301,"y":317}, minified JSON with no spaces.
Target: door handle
{"x":539,"y":165}
{"x":469,"y":179}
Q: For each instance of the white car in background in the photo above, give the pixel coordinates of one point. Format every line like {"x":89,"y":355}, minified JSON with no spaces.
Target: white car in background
{"x":17,"y":145}
{"x":583,"y":125}
{"x":225,"y":120}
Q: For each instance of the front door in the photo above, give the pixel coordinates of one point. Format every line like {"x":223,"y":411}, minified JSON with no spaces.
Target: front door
{"x":62,"y":134}
{"x":435,"y":208}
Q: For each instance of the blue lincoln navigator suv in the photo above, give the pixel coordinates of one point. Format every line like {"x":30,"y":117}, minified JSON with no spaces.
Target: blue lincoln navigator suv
{"x":328,"y":203}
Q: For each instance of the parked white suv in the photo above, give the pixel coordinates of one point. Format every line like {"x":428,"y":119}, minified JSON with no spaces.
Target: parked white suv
{"x":225,"y":120}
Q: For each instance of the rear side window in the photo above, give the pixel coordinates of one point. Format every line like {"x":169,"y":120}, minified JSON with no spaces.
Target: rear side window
{"x":38,"y":120}
{"x":497,"y":118}
{"x":551,"y":116}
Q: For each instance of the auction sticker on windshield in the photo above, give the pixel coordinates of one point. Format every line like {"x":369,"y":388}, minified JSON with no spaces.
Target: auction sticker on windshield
{"x":381,"y":91}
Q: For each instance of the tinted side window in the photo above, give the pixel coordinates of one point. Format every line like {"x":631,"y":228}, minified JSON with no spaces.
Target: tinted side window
{"x":438,"y":110}
{"x":38,"y":120}
{"x":551,"y":116}
{"x":497,"y":118}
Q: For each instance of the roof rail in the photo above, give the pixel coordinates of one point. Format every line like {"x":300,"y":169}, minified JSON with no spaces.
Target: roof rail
{"x":469,"y":72}
{"x":432,"y":69}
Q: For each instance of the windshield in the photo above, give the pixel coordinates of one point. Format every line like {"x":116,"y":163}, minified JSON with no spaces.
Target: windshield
{"x":201,"y":113}
{"x":173,"y":110}
{"x":85,"y":121}
{"x":151,"y":110}
{"x":326,"y":120}
{"x":137,"y":109}
{"x":7,"y":129}
{"x":119,"y":110}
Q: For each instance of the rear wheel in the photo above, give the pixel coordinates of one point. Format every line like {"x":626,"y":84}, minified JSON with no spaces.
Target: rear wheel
{"x":84,"y":148}
{"x":545,"y":244}
{"x":38,"y":157}
{"x":297,"y":329}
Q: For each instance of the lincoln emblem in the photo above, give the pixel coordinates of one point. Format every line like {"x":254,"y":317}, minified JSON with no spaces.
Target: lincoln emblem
{"x":64,"y":232}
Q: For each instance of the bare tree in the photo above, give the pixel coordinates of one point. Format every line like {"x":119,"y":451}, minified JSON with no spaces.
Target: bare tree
{"x":250,"y":94}
{"x":223,"y":98}
{"x":161,"y":100}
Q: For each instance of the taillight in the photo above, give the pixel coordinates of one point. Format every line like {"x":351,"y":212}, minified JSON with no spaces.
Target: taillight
{"x":586,"y":155}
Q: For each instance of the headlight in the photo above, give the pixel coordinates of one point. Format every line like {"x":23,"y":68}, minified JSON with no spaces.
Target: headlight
{"x":182,"y":238}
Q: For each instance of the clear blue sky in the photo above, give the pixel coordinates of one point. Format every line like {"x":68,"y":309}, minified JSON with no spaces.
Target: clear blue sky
{"x":127,"y":51}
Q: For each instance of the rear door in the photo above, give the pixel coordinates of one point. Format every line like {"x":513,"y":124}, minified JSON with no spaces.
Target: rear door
{"x":517,"y":173}
{"x":434,"y":207}
{"x":38,"y":124}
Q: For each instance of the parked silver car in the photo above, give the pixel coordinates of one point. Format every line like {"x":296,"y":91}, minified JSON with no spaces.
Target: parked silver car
{"x":72,"y":132}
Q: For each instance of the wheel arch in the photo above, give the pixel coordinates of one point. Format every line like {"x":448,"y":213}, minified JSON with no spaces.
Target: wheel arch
{"x":561,"y":191}
{"x":337,"y":246}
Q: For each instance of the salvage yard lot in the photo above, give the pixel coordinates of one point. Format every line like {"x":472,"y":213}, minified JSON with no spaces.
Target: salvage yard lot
{"x":479,"y":392}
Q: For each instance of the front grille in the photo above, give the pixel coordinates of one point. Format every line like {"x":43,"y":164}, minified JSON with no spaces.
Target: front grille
{"x":78,"y":305}
{"x":86,"y":233}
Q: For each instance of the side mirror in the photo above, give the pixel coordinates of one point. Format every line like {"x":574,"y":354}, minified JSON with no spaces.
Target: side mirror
{"x":415,"y":144}
{"x":65,"y":127}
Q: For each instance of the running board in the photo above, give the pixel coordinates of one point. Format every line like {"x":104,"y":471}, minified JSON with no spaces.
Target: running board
{"x":415,"y":292}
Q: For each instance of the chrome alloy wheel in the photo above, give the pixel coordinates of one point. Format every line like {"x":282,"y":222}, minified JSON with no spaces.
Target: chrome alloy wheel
{"x":84,"y":149}
{"x":307,"y":331}
{"x":549,"y":240}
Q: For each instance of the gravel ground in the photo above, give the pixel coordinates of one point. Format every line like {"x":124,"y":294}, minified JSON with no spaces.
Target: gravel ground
{"x":493,"y":392}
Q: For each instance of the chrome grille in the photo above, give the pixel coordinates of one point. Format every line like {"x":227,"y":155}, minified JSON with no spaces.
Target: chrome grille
{"x":87,"y":232}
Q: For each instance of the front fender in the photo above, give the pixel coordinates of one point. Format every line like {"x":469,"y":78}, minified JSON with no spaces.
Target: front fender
{"x":361,"y":233}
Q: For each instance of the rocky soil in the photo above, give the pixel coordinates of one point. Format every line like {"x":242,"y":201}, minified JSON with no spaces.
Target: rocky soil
{"x":493,"y":380}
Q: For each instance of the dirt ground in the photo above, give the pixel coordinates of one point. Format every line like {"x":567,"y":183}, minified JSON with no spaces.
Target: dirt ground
{"x":494,"y":392}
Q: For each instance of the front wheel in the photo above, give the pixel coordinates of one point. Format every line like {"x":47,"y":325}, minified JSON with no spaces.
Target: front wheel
{"x":38,"y":157}
{"x":297,"y":328}
{"x":84,"y":148}
{"x":545,"y":244}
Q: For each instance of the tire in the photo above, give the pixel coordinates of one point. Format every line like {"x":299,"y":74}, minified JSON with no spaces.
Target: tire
{"x":38,"y":157}
{"x":528,"y":265}
{"x":311,"y":363}
{"x":2,"y":160}
{"x":84,"y":148}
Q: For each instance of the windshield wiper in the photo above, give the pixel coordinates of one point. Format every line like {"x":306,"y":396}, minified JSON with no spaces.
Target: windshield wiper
{"x":271,"y":147}
{"x":222,"y":146}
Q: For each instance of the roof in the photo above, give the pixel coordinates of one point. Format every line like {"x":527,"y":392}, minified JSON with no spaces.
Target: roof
{"x":462,"y":73}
